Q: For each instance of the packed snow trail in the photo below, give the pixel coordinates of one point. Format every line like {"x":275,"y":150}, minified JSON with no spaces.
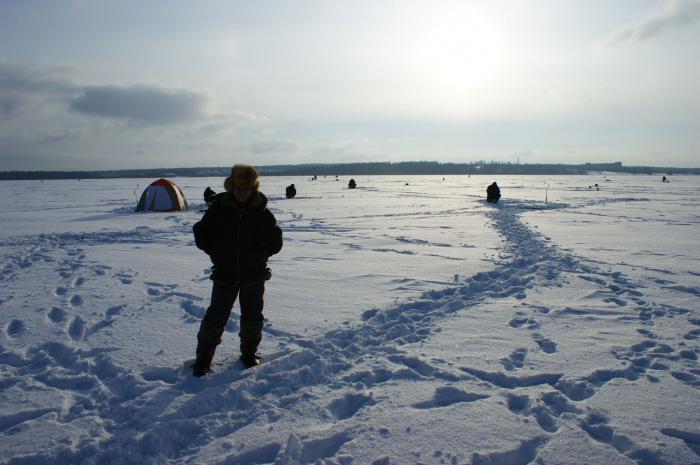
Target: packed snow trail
{"x":158,"y":415}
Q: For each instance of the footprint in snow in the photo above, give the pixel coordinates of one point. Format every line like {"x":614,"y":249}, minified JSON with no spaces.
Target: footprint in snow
{"x":446,"y":396}
{"x":546,"y":410}
{"x":524,"y":454}
{"x":545,"y":420}
{"x":263,"y":454}
{"x":348,"y":405}
{"x":515,"y":360}
{"x":193,"y":311}
{"x":15,"y":327}
{"x":547,"y":345}
{"x":647,"y":333}
{"x":557,"y":404}
{"x":518,"y":403}
{"x":527,"y":322}
{"x":116,"y":309}
{"x":596,"y":426}
{"x":159,"y":291}
{"x":688,"y":378}
{"x":540,"y":309}
{"x":76,"y":300}
{"x":152,"y":291}
{"x":125,"y":278}
{"x":615,"y":300}
{"x":56,"y":314}
{"x":76,"y":252}
{"x":691,"y":440}
{"x":76,"y":328}
{"x":100,"y":270}
{"x":166,"y":374}
{"x":297,"y":451}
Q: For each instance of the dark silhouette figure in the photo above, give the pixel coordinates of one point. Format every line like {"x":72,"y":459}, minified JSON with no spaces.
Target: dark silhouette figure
{"x":352,"y":184}
{"x":239,"y":233}
{"x":664,"y":179}
{"x":209,"y":195}
{"x":291,"y":191}
{"x":493,"y":193}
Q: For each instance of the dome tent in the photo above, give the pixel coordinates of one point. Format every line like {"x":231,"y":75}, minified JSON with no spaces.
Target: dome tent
{"x":162,"y":195}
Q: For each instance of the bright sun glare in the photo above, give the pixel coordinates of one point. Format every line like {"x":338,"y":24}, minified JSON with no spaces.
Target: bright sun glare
{"x":457,"y":53}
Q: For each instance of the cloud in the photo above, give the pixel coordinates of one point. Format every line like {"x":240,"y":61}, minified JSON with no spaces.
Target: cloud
{"x":349,"y":151}
{"x":264,"y":146}
{"x":10,"y":105}
{"x":22,"y":89}
{"x":671,"y":15}
{"x":222,"y":124}
{"x":27,"y":78}
{"x":144,"y":104}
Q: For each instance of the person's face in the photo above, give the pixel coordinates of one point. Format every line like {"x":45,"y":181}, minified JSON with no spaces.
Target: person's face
{"x":242,"y":194}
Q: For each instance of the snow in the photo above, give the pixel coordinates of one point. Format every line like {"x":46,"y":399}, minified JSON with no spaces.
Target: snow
{"x":408,"y":321}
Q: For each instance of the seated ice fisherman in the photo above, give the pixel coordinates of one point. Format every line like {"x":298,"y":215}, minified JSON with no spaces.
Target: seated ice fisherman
{"x":209,"y":195}
{"x":493,"y":193}
{"x":291,"y":191}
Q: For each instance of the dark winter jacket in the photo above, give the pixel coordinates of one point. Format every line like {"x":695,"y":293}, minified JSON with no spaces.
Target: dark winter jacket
{"x":493,"y":193}
{"x":291,"y":191}
{"x":239,"y":239}
{"x":209,"y":195}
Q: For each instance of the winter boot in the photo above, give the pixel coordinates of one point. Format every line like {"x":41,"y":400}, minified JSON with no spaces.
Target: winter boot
{"x":208,"y":337}
{"x":200,"y":369}
{"x":250,"y":360}
{"x":250,"y":334}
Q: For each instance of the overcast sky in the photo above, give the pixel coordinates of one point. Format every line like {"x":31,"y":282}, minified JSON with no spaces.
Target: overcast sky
{"x":129,"y":84}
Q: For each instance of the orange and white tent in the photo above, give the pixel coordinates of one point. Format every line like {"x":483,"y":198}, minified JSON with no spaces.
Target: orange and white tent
{"x":162,"y":195}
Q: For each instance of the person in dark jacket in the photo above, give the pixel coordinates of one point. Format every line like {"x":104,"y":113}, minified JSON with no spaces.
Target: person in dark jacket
{"x":239,"y":234}
{"x":291,"y":191}
{"x":352,"y":184}
{"x":493,"y":193}
{"x":209,"y":195}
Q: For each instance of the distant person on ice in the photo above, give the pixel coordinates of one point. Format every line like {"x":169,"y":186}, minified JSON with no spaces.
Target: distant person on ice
{"x":239,"y":234}
{"x":493,"y":193}
{"x":291,"y":191}
{"x":352,"y":184}
{"x":209,"y":195}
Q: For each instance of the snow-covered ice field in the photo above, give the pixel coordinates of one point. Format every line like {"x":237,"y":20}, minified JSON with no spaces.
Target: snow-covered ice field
{"x":408,"y":322}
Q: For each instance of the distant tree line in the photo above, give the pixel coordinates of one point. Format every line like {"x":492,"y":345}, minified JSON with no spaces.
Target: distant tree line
{"x":343,"y":169}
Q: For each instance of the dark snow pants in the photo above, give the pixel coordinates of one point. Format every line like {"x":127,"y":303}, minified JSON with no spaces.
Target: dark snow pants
{"x":214,"y":322}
